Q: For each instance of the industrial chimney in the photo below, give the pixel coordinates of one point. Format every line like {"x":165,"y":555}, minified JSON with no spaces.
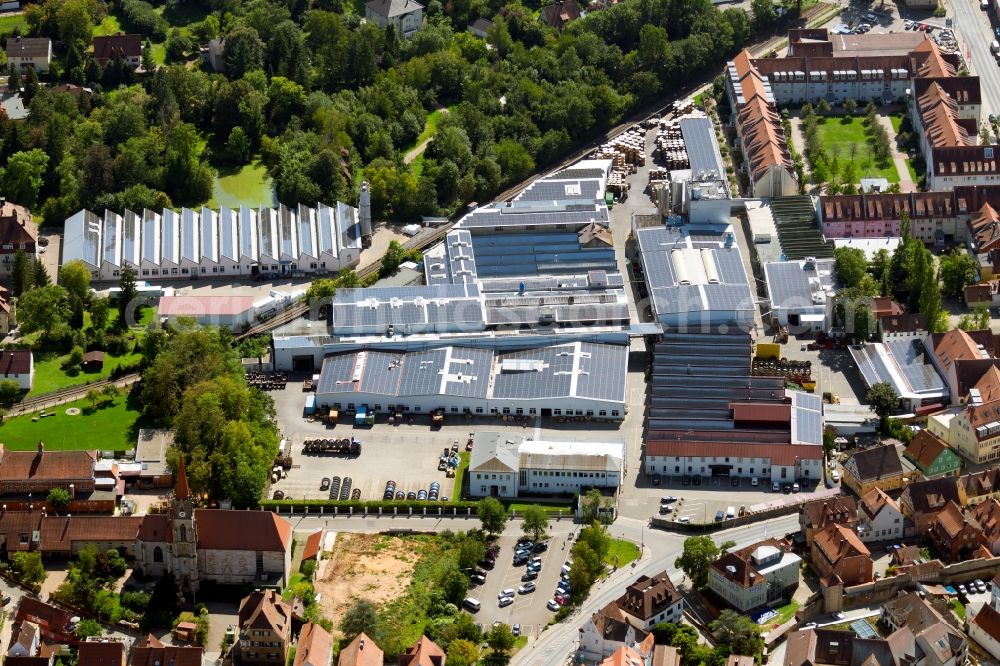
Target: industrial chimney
{"x":365,"y":215}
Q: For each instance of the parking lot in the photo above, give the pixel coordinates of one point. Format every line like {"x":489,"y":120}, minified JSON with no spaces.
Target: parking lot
{"x":528,"y":610}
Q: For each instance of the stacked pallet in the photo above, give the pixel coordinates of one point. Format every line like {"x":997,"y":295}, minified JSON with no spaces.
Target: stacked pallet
{"x":670,"y":145}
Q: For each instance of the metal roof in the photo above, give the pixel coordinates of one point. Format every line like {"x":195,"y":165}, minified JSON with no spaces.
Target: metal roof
{"x":791,"y":285}
{"x":431,"y":308}
{"x":150,"y":236}
{"x":170,"y":237}
{"x":112,"y":238}
{"x":702,"y":148}
{"x":572,"y":215}
{"x":190,"y":229}
{"x":209,"y":242}
{"x":901,"y":363}
{"x":576,"y":369}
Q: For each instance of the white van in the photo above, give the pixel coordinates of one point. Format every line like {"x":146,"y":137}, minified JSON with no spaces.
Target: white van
{"x":730,"y":512}
{"x":472,"y":604}
{"x":995,"y":46}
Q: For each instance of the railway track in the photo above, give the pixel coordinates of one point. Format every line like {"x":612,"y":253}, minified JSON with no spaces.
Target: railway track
{"x":70,"y":394}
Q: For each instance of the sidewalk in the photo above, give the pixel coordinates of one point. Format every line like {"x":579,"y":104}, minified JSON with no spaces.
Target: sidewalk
{"x":906,"y":183}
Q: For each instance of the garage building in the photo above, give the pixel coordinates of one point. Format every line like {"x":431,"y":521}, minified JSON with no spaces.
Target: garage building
{"x":504,"y":464}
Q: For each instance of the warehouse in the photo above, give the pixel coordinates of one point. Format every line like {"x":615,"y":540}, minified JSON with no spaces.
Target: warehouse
{"x":507,"y":465}
{"x":233,"y":312}
{"x":571,"y":379}
{"x":903,"y":365}
{"x":203,"y":243}
{"x":801,"y":293}
{"x":695,"y":277}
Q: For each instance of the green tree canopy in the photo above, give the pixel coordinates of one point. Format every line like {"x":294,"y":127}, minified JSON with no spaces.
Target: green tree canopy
{"x":535,"y":520}
{"x":850,"y":265}
{"x":492,"y":514}
{"x":699,"y":552}
{"x":883,"y":399}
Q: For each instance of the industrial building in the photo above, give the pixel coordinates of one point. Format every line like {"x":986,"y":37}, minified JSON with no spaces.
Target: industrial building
{"x":695,"y":276}
{"x":903,"y":364}
{"x":709,"y":416}
{"x":505,"y":465}
{"x":801,"y":293}
{"x":190,"y":244}
{"x":568,"y":379}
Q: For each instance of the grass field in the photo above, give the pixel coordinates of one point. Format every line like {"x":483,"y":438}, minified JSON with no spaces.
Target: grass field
{"x":621,"y":553}
{"x":463,"y":466}
{"x":840,"y":134}
{"x":430,"y":126}
{"x":50,"y":377}
{"x":8,"y":23}
{"x":250,"y":186}
{"x":109,"y":427}
{"x":785,"y":613}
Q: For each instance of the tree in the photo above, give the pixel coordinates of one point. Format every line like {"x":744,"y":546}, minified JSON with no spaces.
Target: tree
{"x":501,"y":638}
{"x":930,"y":299}
{"x":10,"y":390}
{"x":58,"y":499}
{"x":764,"y":14}
{"x":463,"y":653}
{"x":958,"y":269}
{"x":699,"y":552}
{"x":395,"y":254}
{"x":75,"y":279}
{"x":93,"y":395}
{"x":850,"y":106}
{"x":127,"y":295}
{"x":40,"y":275}
{"x":361,"y":617}
{"x":43,"y":309}
{"x":492,"y":514}
{"x":28,"y":567}
{"x":471,"y":552}
{"x":244,"y":52}
{"x":24,"y":175}
{"x":87,"y":628}
{"x":823,"y":106}
{"x":535,"y":522}
{"x":883,"y":399}
{"x":850,"y":265}
{"x":591,"y":506}
{"x":454,"y":584}
{"x":738,"y":632}
{"x":100,"y":310}
{"x":20,"y":275}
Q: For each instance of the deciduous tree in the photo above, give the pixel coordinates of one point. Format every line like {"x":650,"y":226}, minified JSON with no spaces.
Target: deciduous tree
{"x":492,"y":514}
{"x":534,"y":522}
{"x":698,"y":554}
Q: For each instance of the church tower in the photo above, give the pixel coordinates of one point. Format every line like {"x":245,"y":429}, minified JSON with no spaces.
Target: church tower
{"x":185,"y":535}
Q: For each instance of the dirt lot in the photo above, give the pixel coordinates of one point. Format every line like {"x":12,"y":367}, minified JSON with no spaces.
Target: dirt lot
{"x":370,"y":566}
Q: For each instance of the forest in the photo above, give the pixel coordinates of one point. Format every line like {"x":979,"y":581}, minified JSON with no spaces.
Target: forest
{"x":325,"y":99}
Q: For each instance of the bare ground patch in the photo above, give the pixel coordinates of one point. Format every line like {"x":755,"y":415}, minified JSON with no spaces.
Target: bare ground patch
{"x":369,"y":566}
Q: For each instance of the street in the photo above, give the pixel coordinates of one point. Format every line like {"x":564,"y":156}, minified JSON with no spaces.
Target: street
{"x":975,"y":34}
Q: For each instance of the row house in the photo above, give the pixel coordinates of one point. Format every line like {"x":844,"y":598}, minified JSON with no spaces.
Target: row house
{"x":933,"y":216}
{"x":973,"y":429}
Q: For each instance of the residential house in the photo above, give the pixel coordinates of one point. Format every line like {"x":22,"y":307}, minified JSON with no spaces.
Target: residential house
{"x":950,"y":351}
{"x":112,"y":47}
{"x":97,"y":651}
{"x":921,"y":500}
{"x":481,"y":27}
{"x":559,"y":13}
{"x":26,"y":641}
{"x":313,"y":547}
{"x":315,"y":647}
{"x":931,"y":456}
{"x":759,"y":574}
{"x":151,"y":652}
{"x":976,"y":487}
{"x":879,"y":517}
{"x":424,"y":652}
{"x":607,"y":630}
{"x":987,"y":516}
{"x":29,"y":52}
{"x":7,"y":315}
{"x":740,"y":660}
{"x":18,"y":365}
{"x":906,"y":326}
{"x":957,"y":536}
{"x":817,"y":514}
{"x":362,"y":651}
{"x":973,"y":430}
{"x":936,"y":645}
{"x":877,"y":467}
{"x":403,"y":15}
{"x":53,"y":623}
{"x":838,"y":554}
{"x":984,"y":628}
{"x":635,"y":655}
{"x":650,"y":601}
{"x":265,"y":628}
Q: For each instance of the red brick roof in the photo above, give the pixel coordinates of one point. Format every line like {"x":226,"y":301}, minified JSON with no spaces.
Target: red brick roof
{"x":60,"y":532}
{"x":49,"y":618}
{"x":165,"y":655}
{"x":779,"y":454}
{"x":65,"y":466}
{"x":112,"y":46}
{"x":362,"y":651}
{"x":314,"y":648}
{"x":838,"y":542}
{"x":313,"y":543}
{"x":264,"y":609}
{"x":155,"y":527}
{"x":768,"y":413}
{"x":15,"y":362}
{"x":17,"y":227}
{"x":925,"y":448}
{"x":424,"y":652}
{"x":101,"y":653}
{"x":988,"y":620}
{"x":221,"y":529}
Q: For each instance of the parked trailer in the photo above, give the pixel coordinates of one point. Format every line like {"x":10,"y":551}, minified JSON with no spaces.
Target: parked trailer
{"x":350,"y":446}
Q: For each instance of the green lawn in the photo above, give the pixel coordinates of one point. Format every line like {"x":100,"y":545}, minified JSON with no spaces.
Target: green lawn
{"x":553,"y":509}
{"x":958,"y":607}
{"x":430,"y":126}
{"x":158,"y":52}
{"x":249,"y":186}
{"x":50,"y":377}
{"x":463,"y":465}
{"x":785,"y":613}
{"x":621,"y":553}
{"x":9,"y":23}
{"x":839,"y":134}
{"x":109,"y":26}
{"x":110,"y":427}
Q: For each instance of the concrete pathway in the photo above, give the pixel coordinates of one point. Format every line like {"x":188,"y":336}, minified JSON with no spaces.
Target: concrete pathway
{"x":906,"y":183}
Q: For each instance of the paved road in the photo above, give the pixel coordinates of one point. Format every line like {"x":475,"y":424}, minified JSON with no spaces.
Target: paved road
{"x":975,"y":35}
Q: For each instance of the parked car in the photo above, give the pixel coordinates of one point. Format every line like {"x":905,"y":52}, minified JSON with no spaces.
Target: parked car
{"x":527,"y":588}
{"x":535,"y":566}
{"x":655,"y":479}
{"x":520,"y":560}
{"x":523,"y":539}
{"x":400,"y":495}
{"x":734,"y":481}
{"x":411,"y":495}
{"x":668,"y":499}
{"x":505,"y":601}
{"x":541,"y":547}
{"x":786,"y":488}
{"x":795,"y":488}
{"x":962,"y":590}
{"x":531,"y":575}
{"x":665,"y":509}
{"x":552,"y":605}
{"x":775,"y":487}
{"x":488,"y":564}
{"x":980,"y":585}
{"x":754,"y":482}
{"x":718,"y":515}
{"x":324,"y":485}
{"x":683,"y":519}
{"x":509,"y":592}
{"x":835,"y":476}
{"x":516,"y":630}
{"x":478,"y":579}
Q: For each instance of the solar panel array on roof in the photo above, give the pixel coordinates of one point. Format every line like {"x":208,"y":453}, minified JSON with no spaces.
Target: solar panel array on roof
{"x":504,"y":216}
{"x":898,"y":361}
{"x":189,"y":235}
{"x":409,"y":310}
{"x":170,"y":237}
{"x":791,"y":284}
{"x":209,"y":234}
{"x":920,"y":374}
{"x":807,"y":418}
{"x":562,"y":190}
{"x":513,"y":254}
{"x":702,"y":147}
